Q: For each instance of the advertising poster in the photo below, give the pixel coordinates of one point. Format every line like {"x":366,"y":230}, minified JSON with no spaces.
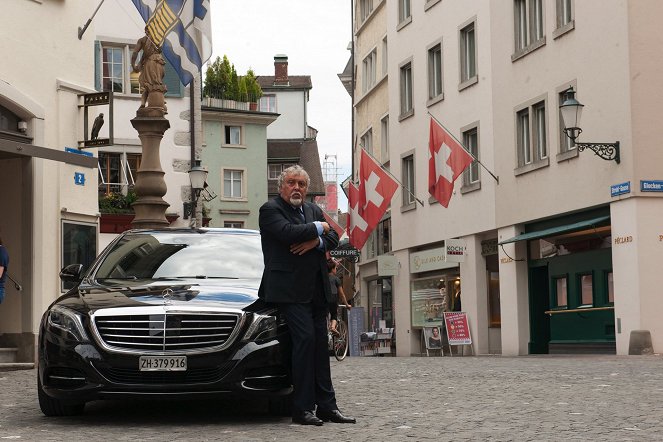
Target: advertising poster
{"x":355,"y":329}
{"x":458,"y":329}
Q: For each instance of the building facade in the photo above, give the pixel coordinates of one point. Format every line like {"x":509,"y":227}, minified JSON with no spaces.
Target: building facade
{"x":235,"y":154}
{"x":560,"y":245}
{"x":290,"y":139}
{"x":49,"y":195}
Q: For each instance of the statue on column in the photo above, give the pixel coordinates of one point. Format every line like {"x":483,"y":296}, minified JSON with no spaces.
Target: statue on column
{"x":151,"y":69}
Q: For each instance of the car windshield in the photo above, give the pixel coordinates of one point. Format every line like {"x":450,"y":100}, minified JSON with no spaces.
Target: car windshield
{"x":172,"y":255}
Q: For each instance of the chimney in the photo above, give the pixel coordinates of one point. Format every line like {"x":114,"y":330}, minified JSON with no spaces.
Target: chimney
{"x":281,"y":70}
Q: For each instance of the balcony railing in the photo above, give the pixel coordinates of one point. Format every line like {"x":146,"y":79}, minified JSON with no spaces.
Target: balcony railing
{"x":221,"y":100}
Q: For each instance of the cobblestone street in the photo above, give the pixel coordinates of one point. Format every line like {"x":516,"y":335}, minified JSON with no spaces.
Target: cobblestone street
{"x":530,"y":398}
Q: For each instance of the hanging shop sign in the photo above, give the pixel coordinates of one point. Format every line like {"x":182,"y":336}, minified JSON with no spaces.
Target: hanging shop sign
{"x":454,"y":250}
{"x":489,"y":247}
{"x":352,"y":254}
{"x":97,"y":135}
{"x":427,"y":260}
{"x":387,"y":265}
{"x":458,"y":328}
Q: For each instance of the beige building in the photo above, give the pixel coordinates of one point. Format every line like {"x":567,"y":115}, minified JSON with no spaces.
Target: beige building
{"x":48,"y":202}
{"x":560,"y":255}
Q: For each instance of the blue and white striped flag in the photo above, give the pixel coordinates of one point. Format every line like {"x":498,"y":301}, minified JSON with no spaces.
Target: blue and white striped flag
{"x":183,"y":29}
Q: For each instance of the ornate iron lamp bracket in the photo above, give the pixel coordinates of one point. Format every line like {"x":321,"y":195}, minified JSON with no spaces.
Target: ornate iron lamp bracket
{"x":607,"y":151}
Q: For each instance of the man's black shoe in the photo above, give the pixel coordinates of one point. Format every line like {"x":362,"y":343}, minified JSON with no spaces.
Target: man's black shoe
{"x":306,"y":418}
{"x":335,"y":416}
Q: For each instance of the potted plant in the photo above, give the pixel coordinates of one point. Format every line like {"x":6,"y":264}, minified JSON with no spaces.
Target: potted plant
{"x":116,"y":213}
{"x":253,"y":89}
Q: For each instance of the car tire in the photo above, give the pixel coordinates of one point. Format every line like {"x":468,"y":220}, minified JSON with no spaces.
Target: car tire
{"x":280,"y":406}
{"x":55,"y":407}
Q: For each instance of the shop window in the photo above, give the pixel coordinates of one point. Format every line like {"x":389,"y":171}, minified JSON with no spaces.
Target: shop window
{"x":561,"y":295}
{"x":429,"y":299}
{"x":79,"y":246}
{"x":611,"y":288}
{"x":494,"y":308}
{"x":586,"y":290}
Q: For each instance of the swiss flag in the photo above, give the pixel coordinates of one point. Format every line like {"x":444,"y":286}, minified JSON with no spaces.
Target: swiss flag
{"x":358,"y":230}
{"x":447,"y":160}
{"x":376,"y":188}
{"x":333,"y":224}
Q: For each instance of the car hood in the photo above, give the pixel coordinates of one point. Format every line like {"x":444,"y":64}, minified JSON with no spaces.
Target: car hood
{"x":227,"y":293}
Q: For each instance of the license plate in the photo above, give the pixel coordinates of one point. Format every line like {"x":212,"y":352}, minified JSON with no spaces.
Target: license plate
{"x":162,"y":363}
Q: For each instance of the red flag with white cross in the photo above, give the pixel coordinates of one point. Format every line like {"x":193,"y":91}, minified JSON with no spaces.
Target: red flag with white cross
{"x":333,"y":224}
{"x":376,"y":188}
{"x":357,"y":226}
{"x":447,"y":160}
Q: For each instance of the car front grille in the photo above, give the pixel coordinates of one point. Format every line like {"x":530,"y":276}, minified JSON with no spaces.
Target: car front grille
{"x":202,"y":375}
{"x":161,"y":330}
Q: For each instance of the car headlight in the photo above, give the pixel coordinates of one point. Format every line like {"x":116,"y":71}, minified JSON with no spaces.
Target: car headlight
{"x":66,"y":323}
{"x":263,"y":326}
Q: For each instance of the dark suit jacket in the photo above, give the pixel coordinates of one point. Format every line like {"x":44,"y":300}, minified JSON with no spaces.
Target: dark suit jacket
{"x":288,"y":277}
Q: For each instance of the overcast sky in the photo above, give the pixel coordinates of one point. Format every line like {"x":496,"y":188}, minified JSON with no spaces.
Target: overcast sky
{"x":314,"y":34}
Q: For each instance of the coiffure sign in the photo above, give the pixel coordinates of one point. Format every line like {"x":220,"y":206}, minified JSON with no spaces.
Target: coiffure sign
{"x":454,"y":250}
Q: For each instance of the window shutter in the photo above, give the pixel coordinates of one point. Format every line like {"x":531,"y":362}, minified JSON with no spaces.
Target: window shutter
{"x":97,"y":65}
{"x":172,"y":81}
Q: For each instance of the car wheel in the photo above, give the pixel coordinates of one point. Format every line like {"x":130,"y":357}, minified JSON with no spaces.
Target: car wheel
{"x":55,"y":407}
{"x":280,"y":406}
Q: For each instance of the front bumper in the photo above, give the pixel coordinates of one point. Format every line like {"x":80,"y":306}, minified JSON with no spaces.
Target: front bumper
{"x":81,"y":372}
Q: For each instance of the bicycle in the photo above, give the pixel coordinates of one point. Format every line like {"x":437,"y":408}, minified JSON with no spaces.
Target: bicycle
{"x":338,"y":340}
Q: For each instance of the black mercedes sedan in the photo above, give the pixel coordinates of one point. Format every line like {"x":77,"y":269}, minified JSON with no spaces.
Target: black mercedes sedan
{"x":165,"y":314}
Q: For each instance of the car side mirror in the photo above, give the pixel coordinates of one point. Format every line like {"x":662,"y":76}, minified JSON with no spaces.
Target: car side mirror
{"x":71,"y":273}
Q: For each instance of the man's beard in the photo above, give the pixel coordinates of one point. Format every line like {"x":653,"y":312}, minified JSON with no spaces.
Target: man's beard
{"x":296,"y":201}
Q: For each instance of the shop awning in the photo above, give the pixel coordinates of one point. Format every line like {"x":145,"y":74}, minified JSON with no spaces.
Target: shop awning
{"x":14,"y":149}
{"x":580,"y":225}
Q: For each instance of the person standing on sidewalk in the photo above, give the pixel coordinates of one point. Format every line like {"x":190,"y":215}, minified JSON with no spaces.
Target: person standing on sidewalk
{"x":338,"y":295}
{"x":294,"y":238}
{"x":4,"y":264}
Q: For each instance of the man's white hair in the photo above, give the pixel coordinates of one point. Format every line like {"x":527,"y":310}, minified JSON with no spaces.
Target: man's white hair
{"x":294,"y":170}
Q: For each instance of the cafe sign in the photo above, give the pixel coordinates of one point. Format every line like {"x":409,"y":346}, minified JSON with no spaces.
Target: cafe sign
{"x":431,"y":259}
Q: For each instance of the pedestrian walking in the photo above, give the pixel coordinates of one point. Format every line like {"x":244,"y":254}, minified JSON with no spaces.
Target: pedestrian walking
{"x":4,"y":265}
{"x":295,"y":238}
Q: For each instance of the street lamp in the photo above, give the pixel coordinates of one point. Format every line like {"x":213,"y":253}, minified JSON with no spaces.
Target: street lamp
{"x":571,"y":111}
{"x":197,"y":176}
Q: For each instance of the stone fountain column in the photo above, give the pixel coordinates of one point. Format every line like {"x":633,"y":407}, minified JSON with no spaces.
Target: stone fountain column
{"x":150,"y":207}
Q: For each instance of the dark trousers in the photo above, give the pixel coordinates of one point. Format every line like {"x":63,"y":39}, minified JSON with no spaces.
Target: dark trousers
{"x":311,"y":374}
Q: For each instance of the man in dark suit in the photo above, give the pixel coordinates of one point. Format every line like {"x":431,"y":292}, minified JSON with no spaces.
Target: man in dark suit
{"x":295,"y":238}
